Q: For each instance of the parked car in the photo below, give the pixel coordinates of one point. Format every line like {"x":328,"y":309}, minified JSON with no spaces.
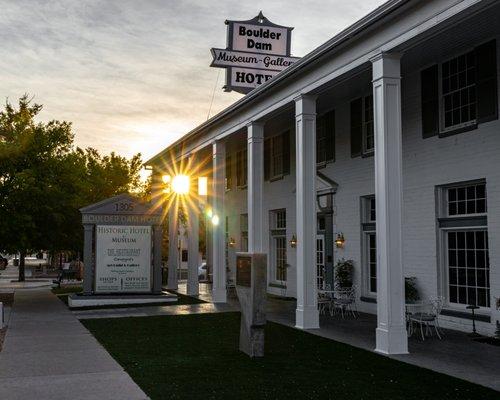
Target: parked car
{"x":202,"y":272}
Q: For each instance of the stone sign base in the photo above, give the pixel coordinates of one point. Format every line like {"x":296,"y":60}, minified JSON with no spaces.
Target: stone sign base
{"x":81,"y":301}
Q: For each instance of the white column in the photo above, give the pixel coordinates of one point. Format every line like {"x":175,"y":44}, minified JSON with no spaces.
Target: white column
{"x":391,"y":337}
{"x":88,"y":259}
{"x":193,"y":249}
{"x":173,"y":251}
{"x":306,"y":315}
{"x":255,"y":184}
{"x":157,"y":239}
{"x":218,"y":245}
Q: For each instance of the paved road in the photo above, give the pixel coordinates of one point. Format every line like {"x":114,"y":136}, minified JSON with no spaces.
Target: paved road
{"x":48,"y":354}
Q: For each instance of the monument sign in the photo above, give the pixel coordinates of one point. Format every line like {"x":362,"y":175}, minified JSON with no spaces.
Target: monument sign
{"x":256,"y":51}
{"x":122,"y":247}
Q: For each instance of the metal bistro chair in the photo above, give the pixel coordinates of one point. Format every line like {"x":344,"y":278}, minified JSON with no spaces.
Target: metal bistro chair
{"x":325,"y":299}
{"x":426,"y":314}
{"x":344,"y":301}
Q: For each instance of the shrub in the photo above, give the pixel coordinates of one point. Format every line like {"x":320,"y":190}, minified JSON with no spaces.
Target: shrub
{"x":411,"y":291}
{"x":343,"y":273}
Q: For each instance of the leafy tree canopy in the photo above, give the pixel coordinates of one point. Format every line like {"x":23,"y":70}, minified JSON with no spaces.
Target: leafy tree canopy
{"x":44,"y":180}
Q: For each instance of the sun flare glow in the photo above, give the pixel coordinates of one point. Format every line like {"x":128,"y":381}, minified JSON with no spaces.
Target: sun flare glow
{"x":180,"y":184}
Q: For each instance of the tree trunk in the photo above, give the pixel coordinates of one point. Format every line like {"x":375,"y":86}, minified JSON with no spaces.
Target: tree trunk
{"x":22,"y":256}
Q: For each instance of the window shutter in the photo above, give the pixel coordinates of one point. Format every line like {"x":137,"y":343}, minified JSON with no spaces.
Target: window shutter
{"x":320,"y":132}
{"x":267,"y":159}
{"x":329,"y":126}
{"x":430,"y":101}
{"x":229,"y":172}
{"x":486,"y":82}
{"x":356,"y":126}
{"x":245,"y":167}
{"x":239,"y":168}
{"x":286,"y":152}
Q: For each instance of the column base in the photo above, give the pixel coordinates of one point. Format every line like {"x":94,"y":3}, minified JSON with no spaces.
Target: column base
{"x":307,"y":318}
{"x":219,"y":296}
{"x":391,"y":341}
{"x":193,"y":289}
{"x":172,"y":286}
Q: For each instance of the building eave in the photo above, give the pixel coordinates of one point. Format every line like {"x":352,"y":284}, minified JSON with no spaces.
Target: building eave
{"x":346,"y":35}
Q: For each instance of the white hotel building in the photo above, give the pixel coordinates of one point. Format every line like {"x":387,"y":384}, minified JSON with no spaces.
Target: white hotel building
{"x":389,"y":134}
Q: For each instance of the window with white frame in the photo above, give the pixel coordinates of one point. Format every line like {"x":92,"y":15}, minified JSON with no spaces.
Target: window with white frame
{"x":460,"y":93}
{"x":369,"y":244}
{"x":464,"y":237}
{"x":458,"y":82}
{"x":468,"y":199}
{"x":468,"y":267}
{"x":241,"y":168}
{"x":244,"y":232}
{"x":277,"y":156}
{"x":278,"y":245}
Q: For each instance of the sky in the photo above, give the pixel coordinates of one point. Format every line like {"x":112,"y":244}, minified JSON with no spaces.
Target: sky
{"x":133,"y":75}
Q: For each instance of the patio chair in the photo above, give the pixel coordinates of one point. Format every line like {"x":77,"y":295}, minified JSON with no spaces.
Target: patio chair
{"x":325,"y":299}
{"x":426,"y":315}
{"x":344,"y":301}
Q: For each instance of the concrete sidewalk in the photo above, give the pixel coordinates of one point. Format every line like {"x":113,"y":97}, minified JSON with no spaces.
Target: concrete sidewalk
{"x":48,"y":354}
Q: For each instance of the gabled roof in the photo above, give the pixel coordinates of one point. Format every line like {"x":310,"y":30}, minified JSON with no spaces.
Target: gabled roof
{"x":344,"y":36}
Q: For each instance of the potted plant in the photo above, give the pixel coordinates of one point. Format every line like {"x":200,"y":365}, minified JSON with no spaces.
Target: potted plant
{"x":344,"y":273}
{"x":411,"y":291}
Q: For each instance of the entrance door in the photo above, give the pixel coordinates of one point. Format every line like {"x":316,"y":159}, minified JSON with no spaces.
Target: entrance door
{"x":320,"y":261}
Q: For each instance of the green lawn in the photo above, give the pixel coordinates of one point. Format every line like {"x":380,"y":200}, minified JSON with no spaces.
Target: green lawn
{"x":196,"y":357}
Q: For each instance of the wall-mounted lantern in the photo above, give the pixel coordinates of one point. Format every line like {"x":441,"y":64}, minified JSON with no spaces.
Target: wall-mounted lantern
{"x":232,"y":242}
{"x":293,"y":241}
{"x":340,"y":240}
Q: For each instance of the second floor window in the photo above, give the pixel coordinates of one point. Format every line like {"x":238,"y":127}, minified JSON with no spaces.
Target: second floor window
{"x":460,"y":93}
{"x":362,"y":127}
{"x":277,"y":156}
{"x":459,"y":90}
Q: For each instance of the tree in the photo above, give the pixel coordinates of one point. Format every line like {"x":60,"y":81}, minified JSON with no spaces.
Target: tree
{"x":44,"y":181}
{"x":107,"y":176}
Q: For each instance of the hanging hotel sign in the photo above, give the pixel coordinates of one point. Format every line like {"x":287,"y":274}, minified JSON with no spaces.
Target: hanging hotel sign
{"x":256,"y":51}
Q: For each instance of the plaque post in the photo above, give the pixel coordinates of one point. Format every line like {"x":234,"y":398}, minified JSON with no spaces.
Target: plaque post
{"x":251,"y":283}
{"x":88,"y":260}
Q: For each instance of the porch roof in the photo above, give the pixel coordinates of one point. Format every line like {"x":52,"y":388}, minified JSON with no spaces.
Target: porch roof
{"x":348,"y":34}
